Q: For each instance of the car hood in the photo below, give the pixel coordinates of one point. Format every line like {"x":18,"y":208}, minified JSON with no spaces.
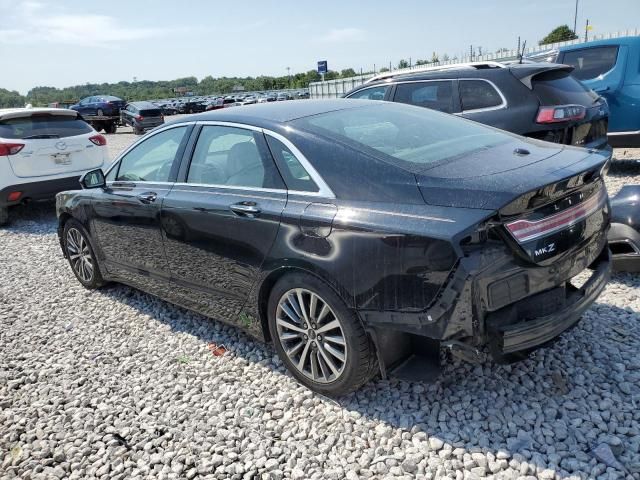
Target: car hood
{"x":492,"y":178}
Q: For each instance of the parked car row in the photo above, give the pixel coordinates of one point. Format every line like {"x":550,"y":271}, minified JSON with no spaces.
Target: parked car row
{"x":207,"y":103}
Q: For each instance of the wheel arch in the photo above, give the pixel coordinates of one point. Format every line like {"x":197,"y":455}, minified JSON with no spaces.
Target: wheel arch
{"x":270,"y":280}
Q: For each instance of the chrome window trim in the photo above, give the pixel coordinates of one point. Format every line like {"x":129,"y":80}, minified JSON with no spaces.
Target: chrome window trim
{"x":142,"y":182}
{"x":503,"y":105}
{"x":324,"y":189}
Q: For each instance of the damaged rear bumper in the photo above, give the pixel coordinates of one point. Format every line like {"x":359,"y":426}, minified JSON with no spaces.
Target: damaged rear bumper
{"x":510,"y":333}
{"x":491,"y":299}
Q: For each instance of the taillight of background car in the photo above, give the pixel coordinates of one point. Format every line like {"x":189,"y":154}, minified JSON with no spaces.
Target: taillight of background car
{"x":10,"y":148}
{"x":99,"y":140}
{"x":560,"y":113}
{"x":139,"y":118}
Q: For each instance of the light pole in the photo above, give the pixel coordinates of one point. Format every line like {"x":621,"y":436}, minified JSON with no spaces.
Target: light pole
{"x":575,"y":19}
{"x":289,"y":75}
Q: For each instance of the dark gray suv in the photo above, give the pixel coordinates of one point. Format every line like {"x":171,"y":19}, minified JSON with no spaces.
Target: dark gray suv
{"x":541,"y":100}
{"x":141,"y":116}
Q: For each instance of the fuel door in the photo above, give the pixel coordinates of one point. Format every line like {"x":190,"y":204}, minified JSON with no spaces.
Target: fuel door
{"x":317,"y":219}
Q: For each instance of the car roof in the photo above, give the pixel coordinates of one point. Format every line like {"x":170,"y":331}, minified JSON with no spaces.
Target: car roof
{"x":518,"y":69}
{"x":610,"y":41}
{"x":263,"y":114}
{"x":144,"y":104}
{"x":6,"y":113}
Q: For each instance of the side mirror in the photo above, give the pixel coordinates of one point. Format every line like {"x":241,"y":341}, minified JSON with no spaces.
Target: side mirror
{"x":93,"y":179}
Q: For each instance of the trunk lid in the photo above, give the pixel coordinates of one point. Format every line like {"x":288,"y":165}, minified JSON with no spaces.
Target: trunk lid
{"x":548,"y":202}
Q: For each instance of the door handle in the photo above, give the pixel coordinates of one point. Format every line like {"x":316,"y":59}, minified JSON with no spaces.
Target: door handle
{"x":147,"y":197}
{"x":248,"y":209}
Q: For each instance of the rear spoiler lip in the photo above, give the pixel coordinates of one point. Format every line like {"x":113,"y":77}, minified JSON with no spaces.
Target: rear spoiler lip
{"x":526,"y":75}
{"x":30,"y":112}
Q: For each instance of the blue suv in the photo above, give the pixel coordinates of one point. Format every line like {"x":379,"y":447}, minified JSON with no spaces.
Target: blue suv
{"x":612,"y":69}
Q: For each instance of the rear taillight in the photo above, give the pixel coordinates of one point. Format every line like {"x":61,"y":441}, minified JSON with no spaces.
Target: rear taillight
{"x":99,"y":140}
{"x":14,"y":196}
{"x":560,"y":113}
{"x":10,"y":148}
{"x":139,"y":117}
{"x":527,"y":230}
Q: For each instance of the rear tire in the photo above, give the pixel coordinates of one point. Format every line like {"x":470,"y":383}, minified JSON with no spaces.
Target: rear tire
{"x":4,"y":216}
{"x":80,"y":255}
{"x":138,"y":131}
{"x":323,"y":344}
{"x":110,"y":128}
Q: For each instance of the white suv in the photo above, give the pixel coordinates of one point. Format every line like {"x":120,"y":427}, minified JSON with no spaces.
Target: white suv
{"x":44,"y":151}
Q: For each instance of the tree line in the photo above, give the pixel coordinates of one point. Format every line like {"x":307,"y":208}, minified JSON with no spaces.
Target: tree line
{"x":146,"y":89}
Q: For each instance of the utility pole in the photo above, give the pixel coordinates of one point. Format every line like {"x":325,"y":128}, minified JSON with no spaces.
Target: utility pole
{"x":575,"y":19}
{"x":471,"y":52}
{"x":586,"y":30}
{"x":289,"y":75}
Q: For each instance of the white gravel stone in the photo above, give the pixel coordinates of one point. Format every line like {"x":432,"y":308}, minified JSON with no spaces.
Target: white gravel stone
{"x":117,"y":384}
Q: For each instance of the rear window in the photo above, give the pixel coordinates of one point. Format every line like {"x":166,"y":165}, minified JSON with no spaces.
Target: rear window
{"x":43,"y":126}
{"x":411,"y":137}
{"x":560,"y":88}
{"x":151,"y":112}
{"x":591,"y":62}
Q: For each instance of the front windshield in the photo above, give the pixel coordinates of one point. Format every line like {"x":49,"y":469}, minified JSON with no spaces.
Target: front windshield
{"x":414,"y":138}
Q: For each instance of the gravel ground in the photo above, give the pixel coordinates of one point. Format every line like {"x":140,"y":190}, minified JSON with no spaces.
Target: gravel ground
{"x":117,"y":384}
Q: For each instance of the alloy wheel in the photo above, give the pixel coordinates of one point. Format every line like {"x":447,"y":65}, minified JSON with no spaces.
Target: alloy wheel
{"x":311,"y":335}
{"x":79,"y":254}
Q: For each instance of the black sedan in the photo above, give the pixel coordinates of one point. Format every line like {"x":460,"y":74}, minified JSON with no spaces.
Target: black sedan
{"x":357,"y":236}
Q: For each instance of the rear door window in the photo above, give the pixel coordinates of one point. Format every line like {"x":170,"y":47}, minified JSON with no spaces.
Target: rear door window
{"x":591,"y":62}
{"x":478,"y":94}
{"x":230,"y":156}
{"x":43,"y":126}
{"x":434,"y":95}
{"x":295,"y":175}
{"x":372,"y":93}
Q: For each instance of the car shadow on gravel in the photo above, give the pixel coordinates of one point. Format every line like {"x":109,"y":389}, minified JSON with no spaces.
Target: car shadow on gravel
{"x":38,"y":217}
{"x":549,"y":410}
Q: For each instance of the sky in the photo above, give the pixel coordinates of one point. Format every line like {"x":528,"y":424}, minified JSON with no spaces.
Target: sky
{"x":71,"y":42}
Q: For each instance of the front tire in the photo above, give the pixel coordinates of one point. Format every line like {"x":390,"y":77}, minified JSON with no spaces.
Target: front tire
{"x":80,"y":254}
{"x":319,"y":339}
